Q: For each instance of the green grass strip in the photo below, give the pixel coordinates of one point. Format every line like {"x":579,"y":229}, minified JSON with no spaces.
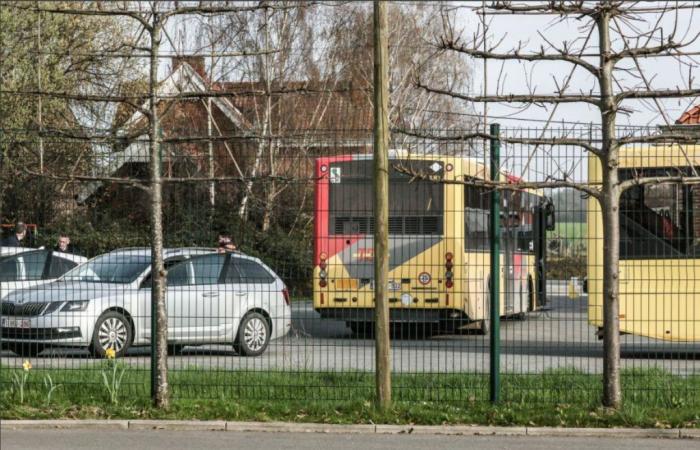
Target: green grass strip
{"x":564,"y":397}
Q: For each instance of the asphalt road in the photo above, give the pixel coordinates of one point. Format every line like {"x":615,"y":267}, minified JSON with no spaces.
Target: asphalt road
{"x":559,"y":337}
{"x":171,"y":440}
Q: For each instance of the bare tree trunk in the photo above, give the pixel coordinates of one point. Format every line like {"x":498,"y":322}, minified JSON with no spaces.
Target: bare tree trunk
{"x":610,"y":206}
{"x":159,"y":320}
{"x":271,"y":189}
{"x":210,"y":157}
{"x":243,"y":210}
{"x":381,"y":205}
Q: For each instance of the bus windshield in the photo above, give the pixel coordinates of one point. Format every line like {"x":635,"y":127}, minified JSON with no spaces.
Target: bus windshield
{"x":415,"y":206}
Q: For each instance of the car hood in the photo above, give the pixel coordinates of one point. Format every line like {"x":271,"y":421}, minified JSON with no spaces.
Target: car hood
{"x":65,"y":291}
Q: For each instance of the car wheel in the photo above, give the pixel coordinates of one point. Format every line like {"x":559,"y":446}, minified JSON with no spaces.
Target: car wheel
{"x":253,"y":335}
{"x":175,"y":349}
{"x":25,"y":350}
{"x":112,"y":330}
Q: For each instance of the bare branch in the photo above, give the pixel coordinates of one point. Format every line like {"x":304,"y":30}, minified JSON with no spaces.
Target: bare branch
{"x":514,"y":98}
{"x":515,"y":55}
{"x":510,"y":140}
{"x":645,"y":181}
{"x":586,"y":188}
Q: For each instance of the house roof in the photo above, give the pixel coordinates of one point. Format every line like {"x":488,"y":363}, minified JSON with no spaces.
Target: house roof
{"x":185,"y":79}
{"x":690,"y":117}
{"x":297,"y":107}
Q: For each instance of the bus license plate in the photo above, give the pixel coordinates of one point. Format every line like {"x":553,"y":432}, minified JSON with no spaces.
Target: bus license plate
{"x":14,"y":323}
{"x":394,"y":286}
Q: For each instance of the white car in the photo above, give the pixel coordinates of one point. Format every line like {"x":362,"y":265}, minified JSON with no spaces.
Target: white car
{"x":212,"y":298}
{"x":22,"y":268}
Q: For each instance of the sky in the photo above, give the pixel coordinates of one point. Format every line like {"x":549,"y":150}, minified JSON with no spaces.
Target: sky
{"x":515,"y":77}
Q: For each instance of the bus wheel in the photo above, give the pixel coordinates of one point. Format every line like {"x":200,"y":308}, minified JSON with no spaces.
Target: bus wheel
{"x":362,"y":330}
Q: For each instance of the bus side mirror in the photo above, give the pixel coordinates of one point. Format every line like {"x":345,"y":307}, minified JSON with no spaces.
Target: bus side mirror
{"x":549,"y":221}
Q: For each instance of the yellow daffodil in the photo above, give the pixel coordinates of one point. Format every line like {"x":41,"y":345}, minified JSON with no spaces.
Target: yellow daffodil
{"x":110,"y":353}
{"x":26,"y":365}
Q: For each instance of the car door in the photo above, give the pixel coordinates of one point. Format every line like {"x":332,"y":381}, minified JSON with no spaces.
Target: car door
{"x":22,"y":271}
{"x":56,"y":266}
{"x":193,"y":299}
{"x":252,"y":285}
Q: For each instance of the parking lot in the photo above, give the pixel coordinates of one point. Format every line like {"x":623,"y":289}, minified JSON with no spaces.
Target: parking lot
{"x":557,"y":337}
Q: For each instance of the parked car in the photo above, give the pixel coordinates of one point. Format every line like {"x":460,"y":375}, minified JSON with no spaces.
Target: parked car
{"x":22,"y":268}
{"x":212,"y":298}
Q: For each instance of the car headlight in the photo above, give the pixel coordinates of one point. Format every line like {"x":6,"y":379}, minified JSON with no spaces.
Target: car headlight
{"x":80,"y":305}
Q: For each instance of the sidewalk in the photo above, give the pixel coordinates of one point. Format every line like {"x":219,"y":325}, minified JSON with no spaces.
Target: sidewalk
{"x":272,"y":427}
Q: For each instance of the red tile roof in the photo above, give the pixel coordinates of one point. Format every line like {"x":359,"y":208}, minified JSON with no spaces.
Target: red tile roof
{"x":690,"y":117}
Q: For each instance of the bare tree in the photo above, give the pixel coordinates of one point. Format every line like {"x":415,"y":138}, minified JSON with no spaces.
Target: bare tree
{"x":608,"y":96}
{"x":151,"y":19}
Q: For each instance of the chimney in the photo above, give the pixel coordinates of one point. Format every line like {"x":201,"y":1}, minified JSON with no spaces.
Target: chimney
{"x":195,"y":61}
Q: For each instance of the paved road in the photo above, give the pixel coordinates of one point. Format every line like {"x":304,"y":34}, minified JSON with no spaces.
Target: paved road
{"x":171,"y":440}
{"x":558,"y":337}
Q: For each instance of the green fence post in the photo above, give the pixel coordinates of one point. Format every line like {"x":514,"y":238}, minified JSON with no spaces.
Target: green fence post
{"x":494,"y":293}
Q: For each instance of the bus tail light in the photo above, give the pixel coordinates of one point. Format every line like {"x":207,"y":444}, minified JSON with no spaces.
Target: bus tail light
{"x":322,"y":273}
{"x":449,"y":275}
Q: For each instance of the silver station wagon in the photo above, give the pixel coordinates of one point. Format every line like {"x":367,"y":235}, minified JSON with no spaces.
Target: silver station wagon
{"x":212,"y":298}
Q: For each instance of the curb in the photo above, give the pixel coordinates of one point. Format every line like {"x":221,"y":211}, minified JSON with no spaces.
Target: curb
{"x":287,"y":427}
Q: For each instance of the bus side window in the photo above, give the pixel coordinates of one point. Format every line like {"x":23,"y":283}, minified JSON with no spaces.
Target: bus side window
{"x":476,"y":218}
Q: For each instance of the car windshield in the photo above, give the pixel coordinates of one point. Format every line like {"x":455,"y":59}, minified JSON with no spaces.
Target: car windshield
{"x":111,"y":268}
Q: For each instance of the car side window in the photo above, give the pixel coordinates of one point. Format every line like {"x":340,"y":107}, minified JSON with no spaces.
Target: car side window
{"x":207,"y":269}
{"x":179,"y":275}
{"x":58,"y":266}
{"x":9,"y":269}
{"x":34,"y":263}
{"x":249,"y":271}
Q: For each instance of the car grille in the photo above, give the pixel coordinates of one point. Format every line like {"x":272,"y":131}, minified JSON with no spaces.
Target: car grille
{"x":40,"y":333}
{"x":23,"y":309}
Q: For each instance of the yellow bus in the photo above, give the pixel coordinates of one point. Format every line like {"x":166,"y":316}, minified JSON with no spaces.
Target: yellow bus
{"x":659,"y":245}
{"x":438,"y":243}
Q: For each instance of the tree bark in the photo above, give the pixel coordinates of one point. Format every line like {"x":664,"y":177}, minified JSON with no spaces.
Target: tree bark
{"x":159,"y":322}
{"x":610,"y":206}
{"x":381,"y":205}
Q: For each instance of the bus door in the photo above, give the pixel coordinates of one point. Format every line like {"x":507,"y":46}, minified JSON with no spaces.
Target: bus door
{"x":543,"y":221}
{"x":511,"y":260}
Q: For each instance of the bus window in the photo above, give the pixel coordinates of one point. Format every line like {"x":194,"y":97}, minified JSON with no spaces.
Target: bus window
{"x":660,"y":221}
{"x":415,"y":206}
{"x":477,"y":202}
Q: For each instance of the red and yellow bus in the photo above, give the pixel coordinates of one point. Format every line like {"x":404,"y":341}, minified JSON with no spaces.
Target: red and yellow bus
{"x":438,"y":243}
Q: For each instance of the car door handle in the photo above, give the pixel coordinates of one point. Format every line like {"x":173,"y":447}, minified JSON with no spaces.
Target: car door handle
{"x":210,"y":294}
{"x":239,"y":294}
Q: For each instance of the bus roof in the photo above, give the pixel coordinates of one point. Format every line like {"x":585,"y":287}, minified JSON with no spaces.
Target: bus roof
{"x":662,"y":155}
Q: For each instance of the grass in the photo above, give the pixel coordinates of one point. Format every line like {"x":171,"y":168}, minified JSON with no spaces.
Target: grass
{"x":573,"y":231}
{"x":653,"y":398}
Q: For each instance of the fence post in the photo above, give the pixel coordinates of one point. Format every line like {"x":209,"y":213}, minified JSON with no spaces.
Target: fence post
{"x":494,"y":291}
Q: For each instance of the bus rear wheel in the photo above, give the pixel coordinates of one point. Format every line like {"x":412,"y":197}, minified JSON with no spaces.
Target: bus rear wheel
{"x":362,"y":330}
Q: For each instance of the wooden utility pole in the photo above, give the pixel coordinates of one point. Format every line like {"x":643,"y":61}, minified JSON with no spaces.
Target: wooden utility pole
{"x":381,"y":205}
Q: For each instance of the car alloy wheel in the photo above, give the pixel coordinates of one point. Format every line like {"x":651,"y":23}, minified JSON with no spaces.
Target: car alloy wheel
{"x":112,"y":330}
{"x":253,"y":335}
{"x":112,"y":334}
